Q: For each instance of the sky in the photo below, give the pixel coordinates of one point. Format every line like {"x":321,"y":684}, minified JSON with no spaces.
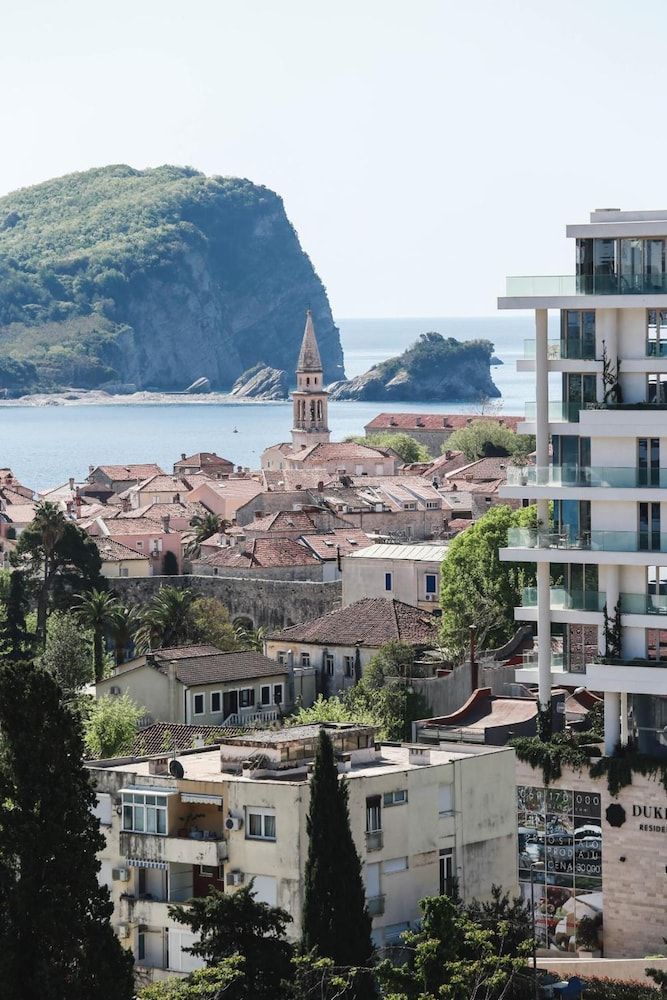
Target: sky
{"x":423,"y":148}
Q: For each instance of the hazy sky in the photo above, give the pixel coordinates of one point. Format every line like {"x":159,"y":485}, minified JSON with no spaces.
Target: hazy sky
{"x":423,"y":148}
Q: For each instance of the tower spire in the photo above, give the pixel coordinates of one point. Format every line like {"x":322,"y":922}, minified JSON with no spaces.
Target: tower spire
{"x":310,"y":398}
{"x":309,"y":355}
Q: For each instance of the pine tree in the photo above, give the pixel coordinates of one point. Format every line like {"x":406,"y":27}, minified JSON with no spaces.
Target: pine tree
{"x":56,"y":941}
{"x":335,"y":919}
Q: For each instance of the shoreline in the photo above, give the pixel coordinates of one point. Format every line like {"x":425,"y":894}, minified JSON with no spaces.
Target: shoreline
{"x":97,"y":397}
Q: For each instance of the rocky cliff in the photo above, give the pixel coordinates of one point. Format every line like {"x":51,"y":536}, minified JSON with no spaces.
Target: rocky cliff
{"x":154,"y":277}
{"x":434,"y":369}
{"x":262,"y":382}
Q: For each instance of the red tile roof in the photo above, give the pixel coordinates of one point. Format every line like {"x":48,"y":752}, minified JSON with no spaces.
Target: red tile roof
{"x":133,"y":526}
{"x":434,"y":421}
{"x":204,"y":460}
{"x":336,"y":451}
{"x":125,"y":473}
{"x":242,"y":665}
{"x":339,"y":542}
{"x":283,"y":520}
{"x":163,"y":737}
{"x":113,"y":551}
{"x":262,"y":552}
{"x":372,"y":621}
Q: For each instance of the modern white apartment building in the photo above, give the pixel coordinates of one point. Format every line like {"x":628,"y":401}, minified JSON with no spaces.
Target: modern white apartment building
{"x":421,"y":817}
{"x":602,"y":463}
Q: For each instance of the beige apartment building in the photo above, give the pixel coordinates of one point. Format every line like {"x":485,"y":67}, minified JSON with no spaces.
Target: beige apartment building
{"x":409,"y":573}
{"x":423,"y":820}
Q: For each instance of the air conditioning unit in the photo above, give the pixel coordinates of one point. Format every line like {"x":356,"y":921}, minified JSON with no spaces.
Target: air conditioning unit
{"x":120,"y":874}
{"x":233,"y":822}
{"x":123,"y":931}
{"x":235,"y":878}
{"x":430,"y":597}
{"x":114,"y":689}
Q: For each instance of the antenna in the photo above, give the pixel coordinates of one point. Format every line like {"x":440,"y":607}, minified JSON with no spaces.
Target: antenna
{"x":176,"y":769}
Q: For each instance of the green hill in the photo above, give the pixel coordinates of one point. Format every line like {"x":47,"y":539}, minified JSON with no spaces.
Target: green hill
{"x":152,"y":277}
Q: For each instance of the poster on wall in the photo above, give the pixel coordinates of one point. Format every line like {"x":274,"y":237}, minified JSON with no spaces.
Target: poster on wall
{"x":560,"y":844}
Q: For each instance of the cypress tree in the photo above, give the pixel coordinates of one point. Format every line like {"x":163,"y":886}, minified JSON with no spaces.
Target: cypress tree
{"x":56,"y":941}
{"x":335,"y":919}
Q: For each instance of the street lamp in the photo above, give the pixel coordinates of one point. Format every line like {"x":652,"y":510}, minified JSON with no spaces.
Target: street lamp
{"x":533,"y":866}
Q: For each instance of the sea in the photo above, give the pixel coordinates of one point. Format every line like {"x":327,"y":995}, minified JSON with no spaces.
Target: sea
{"x":45,"y":445}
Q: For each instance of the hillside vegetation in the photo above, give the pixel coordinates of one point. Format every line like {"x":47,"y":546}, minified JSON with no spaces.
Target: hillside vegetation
{"x":154,"y":278}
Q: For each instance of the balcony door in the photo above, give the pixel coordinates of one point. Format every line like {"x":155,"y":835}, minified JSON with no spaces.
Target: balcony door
{"x":578,"y":392}
{"x":648,"y":462}
{"x":230,"y":703}
{"x":649,"y":527}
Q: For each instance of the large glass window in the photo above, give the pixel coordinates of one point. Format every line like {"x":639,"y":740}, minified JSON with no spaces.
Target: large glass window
{"x":656,"y":333}
{"x":373,"y":814}
{"x":656,"y":388}
{"x":144,"y":813}
{"x":649,"y":527}
{"x":577,"y":337}
{"x":578,"y":392}
{"x":648,"y":461}
{"x":656,"y":644}
{"x":260,"y":824}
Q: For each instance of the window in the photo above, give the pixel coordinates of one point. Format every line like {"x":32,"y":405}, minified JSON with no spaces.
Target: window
{"x":656,"y":333}
{"x":431,"y":583}
{"x":141,"y":946}
{"x":433,"y":505}
{"x":648,"y":461}
{"x":282,"y":657}
{"x":213,"y":871}
{"x":396,"y":798}
{"x":305,"y":659}
{"x":447,"y":880}
{"x":656,"y":644}
{"x":278,"y":694}
{"x":260,"y":824}
{"x":198,"y":704}
{"x":329,"y":664}
{"x":144,"y":813}
{"x":410,"y":505}
{"x":373,"y":814}
{"x":393,"y":932}
{"x":656,"y":388}
{"x":445,"y":800}
{"x":649,"y":527}
{"x":387,"y":581}
{"x":216,"y":701}
{"x":140,"y":545}
{"x":394,"y":865}
{"x":577,"y":334}
{"x":246,"y":697}
{"x":265,"y":694}
{"x":123,"y":571}
{"x":348,"y":664}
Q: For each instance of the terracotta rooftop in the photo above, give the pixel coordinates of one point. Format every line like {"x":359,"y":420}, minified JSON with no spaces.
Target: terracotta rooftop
{"x":341,"y":542}
{"x":112,"y":551}
{"x":372,"y":621}
{"x":482,"y":470}
{"x":125,"y":473}
{"x":185,"y":652}
{"x":133,"y":526}
{"x":262,"y":552}
{"x":290,"y":480}
{"x":336,"y":451}
{"x":163,"y":737}
{"x":20,"y":513}
{"x":163,"y":484}
{"x":157,"y":510}
{"x":223,"y":667}
{"x":204,"y":460}
{"x":434,"y":421}
{"x":283,"y":520}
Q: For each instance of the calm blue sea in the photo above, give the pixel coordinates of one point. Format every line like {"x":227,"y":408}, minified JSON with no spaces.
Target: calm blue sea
{"x":46,"y":445}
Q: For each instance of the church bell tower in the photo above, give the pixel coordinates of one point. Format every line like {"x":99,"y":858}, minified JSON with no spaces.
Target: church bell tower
{"x":310,"y":398}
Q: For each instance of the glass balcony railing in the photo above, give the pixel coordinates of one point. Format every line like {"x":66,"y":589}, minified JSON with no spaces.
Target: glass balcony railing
{"x":590,"y":541}
{"x":561,"y":599}
{"x":636,"y":662}
{"x":593,"y":284}
{"x":644,"y":604}
{"x":656,"y":348}
{"x":559,"y":412}
{"x":589,"y":475}
{"x":558,"y":350}
{"x":530,"y":659}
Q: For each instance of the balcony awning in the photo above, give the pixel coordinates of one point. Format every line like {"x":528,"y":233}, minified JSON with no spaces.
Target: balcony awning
{"x":144,"y":863}
{"x":149,"y":789}
{"x":214,"y":800}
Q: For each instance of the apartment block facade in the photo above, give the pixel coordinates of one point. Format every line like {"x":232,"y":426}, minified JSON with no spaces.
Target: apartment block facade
{"x":600,"y":544}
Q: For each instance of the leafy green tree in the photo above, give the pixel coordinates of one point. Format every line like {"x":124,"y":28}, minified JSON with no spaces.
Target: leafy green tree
{"x":124,"y":624}
{"x":224,"y":981}
{"x":56,"y":939}
{"x":407,"y":448}
{"x":38,"y":543}
{"x":204,"y":526}
{"x":477,"y":588}
{"x":507,"y":918}
{"x":97,"y":611}
{"x":250,"y":638}
{"x":67,"y":652}
{"x":209,"y":622}
{"x":170,"y":564}
{"x":336,"y":923}
{"x":110,"y":726}
{"x":165,"y":620}
{"x":14,"y":605}
{"x":232,"y":924}
{"x":453,"y":958}
{"x":485,"y":437}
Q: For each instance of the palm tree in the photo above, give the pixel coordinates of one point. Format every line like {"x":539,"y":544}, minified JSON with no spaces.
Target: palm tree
{"x":47,"y":528}
{"x":165,"y":620}
{"x":250,"y":638}
{"x":123,"y":628}
{"x":97,"y":610}
{"x":204,"y":526}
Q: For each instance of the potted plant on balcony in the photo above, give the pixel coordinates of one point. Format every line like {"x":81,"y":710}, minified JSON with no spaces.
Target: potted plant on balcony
{"x":188,"y":822}
{"x":588,"y":936}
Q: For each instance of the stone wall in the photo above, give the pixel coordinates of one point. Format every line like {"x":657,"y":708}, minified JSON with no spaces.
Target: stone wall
{"x":447,"y":694}
{"x":273,"y":604}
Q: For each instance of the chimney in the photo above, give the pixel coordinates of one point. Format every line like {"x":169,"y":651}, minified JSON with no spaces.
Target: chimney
{"x":125,"y":503}
{"x":259,"y":514}
{"x":71,"y":482}
{"x":91,"y":469}
{"x":182,"y":456}
{"x":173,"y":692}
{"x":320,"y":487}
{"x":69,"y":504}
{"x":448,"y":455}
{"x":165,"y":523}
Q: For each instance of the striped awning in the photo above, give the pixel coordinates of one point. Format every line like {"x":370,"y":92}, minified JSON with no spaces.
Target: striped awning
{"x":144,"y":863}
{"x":214,"y":800}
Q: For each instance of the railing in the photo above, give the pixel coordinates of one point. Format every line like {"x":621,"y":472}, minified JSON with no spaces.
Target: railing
{"x":559,"y":412}
{"x":559,"y":350}
{"x":375,"y":906}
{"x":530,"y":659}
{"x":562,"y":599}
{"x":619,"y":661}
{"x":251,"y":718}
{"x":591,"y":541}
{"x":644,"y":604}
{"x":588,"y":475}
{"x":588,"y":284}
{"x":374,"y":840}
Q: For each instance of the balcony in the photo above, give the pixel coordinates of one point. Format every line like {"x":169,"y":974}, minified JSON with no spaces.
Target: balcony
{"x":374,"y":840}
{"x":179,"y":850}
{"x":589,"y":541}
{"x":559,"y":412}
{"x":561,"y":599}
{"x":143,"y":910}
{"x":595,"y":476}
{"x":527,"y":286}
{"x":644,"y":604}
{"x":560,"y":350}
{"x":375,"y":906}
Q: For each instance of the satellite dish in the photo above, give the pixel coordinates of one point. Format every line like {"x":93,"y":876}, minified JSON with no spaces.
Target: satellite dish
{"x":176,"y":769}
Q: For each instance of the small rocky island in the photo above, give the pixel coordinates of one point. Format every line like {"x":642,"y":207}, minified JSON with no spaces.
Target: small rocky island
{"x":262,"y":382}
{"x":434,"y":369}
